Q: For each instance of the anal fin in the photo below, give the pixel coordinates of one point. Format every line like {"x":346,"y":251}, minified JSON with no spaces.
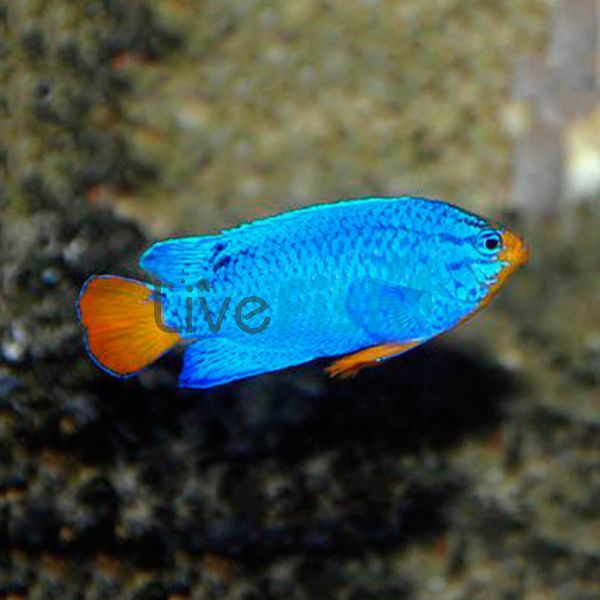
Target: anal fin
{"x":214,"y":361}
{"x":349,"y":365}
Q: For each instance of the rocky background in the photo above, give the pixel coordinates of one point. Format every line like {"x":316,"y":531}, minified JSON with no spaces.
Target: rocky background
{"x":468,"y":469}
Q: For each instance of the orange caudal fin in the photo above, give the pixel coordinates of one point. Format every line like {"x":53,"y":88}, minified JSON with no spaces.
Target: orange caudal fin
{"x":122,"y":332}
{"x":350,"y":365}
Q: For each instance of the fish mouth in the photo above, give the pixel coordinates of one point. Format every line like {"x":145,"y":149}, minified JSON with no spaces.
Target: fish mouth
{"x":514,"y":254}
{"x":515,"y":251}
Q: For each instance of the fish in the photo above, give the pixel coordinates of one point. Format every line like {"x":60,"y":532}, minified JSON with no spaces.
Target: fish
{"x":363,"y":280}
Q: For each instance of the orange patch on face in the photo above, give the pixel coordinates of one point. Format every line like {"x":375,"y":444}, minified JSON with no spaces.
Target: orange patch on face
{"x":515,"y":253}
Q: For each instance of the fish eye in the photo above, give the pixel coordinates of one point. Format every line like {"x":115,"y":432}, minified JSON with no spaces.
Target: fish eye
{"x":489,"y":242}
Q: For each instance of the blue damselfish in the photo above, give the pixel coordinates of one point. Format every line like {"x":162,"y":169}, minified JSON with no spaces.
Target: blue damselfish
{"x":366,"y":279}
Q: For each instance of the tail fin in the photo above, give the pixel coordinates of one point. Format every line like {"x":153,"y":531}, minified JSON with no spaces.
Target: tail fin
{"x":122,"y":334}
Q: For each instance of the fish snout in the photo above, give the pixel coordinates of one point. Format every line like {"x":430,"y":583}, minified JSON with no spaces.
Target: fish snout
{"x":515,"y":251}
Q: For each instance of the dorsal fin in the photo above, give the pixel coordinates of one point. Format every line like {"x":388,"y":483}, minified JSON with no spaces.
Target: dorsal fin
{"x":182,"y":260}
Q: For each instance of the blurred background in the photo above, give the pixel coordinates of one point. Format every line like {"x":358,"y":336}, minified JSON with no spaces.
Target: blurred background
{"x":468,"y":469}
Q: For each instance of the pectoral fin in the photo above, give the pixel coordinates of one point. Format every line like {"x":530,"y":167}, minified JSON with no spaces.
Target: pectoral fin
{"x":351,"y":364}
{"x":386,"y":311}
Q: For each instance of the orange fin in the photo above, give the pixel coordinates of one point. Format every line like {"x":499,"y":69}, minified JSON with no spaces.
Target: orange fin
{"x":122,"y":334}
{"x":350,"y":365}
